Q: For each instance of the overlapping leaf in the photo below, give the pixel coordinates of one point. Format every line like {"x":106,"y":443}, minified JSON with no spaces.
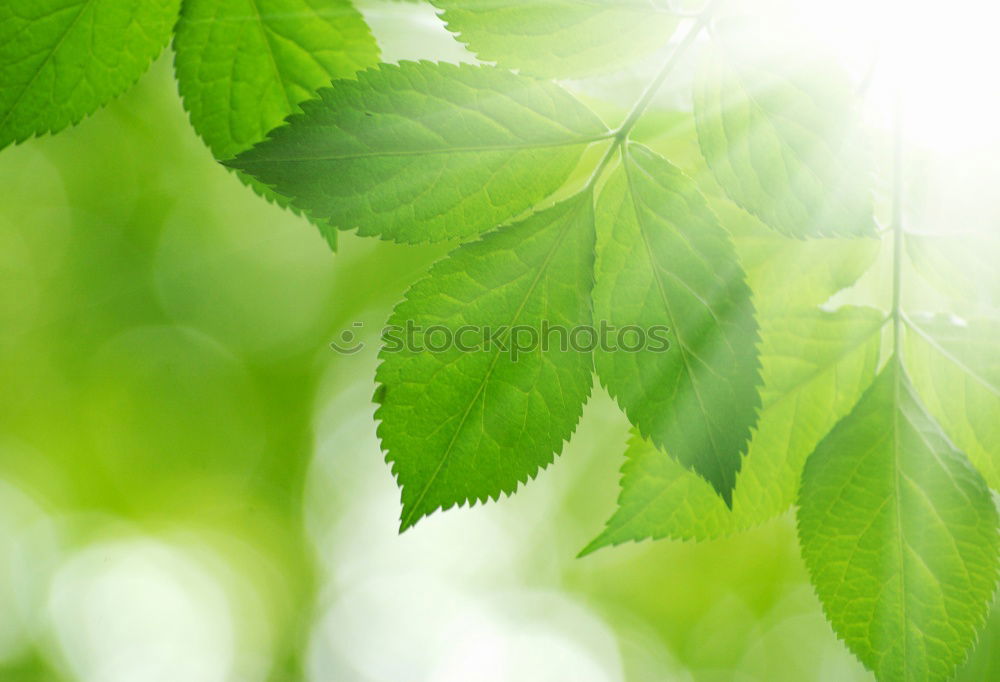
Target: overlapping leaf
{"x":244,"y":65}
{"x":779,"y":129}
{"x":955,"y":364}
{"x":815,"y":366}
{"x":471,"y":421}
{"x":421,"y":151}
{"x":962,"y":266}
{"x":666,"y":262}
{"x":62,"y":59}
{"x":785,"y":273}
{"x":899,"y":534}
{"x":559,"y":38}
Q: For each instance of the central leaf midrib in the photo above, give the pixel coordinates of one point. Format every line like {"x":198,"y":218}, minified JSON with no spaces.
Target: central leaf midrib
{"x":670,"y":315}
{"x":271,"y":56}
{"x":429,"y":152}
{"x":415,"y":508}
{"x":897,"y":475}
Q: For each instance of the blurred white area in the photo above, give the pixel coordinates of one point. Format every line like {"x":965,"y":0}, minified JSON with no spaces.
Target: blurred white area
{"x":940,"y":56}
{"x":776,"y":651}
{"x":141,"y":610}
{"x":411,"y":30}
{"x":28,"y":552}
{"x":471,"y":595}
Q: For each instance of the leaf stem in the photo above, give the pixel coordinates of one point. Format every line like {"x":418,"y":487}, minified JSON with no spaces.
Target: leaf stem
{"x":897,"y":226}
{"x":622,"y":132}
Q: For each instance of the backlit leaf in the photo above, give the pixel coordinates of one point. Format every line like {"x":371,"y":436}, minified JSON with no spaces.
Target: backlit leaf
{"x":559,"y":38}
{"x":60,"y":60}
{"x":779,"y":128}
{"x":815,"y":367}
{"x":664,"y":261}
{"x":467,"y":424}
{"x":422,"y":152}
{"x":899,"y":534}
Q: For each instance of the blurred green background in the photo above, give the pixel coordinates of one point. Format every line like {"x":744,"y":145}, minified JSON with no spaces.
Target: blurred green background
{"x":191,"y":488}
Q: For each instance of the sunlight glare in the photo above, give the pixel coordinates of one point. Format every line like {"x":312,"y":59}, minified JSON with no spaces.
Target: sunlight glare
{"x":941,"y":57}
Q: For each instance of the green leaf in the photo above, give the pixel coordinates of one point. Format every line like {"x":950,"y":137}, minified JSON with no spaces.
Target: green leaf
{"x":899,"y":534}
{"x":422,"y":151}
{"x":244,"y":65}
{"x":815,"y":367}
{"x":559,"y":38}
{"x":61,"y":60}
{"x":664,"y":261}
{"x":956,"y":368}
{"x":465,"y":425}
{"x":778,"y":126}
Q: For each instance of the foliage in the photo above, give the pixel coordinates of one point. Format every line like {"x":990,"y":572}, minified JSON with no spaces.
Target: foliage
{"x":885,"y":435}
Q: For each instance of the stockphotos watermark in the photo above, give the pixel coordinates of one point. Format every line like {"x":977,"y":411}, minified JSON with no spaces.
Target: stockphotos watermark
{"x":512,"y":340}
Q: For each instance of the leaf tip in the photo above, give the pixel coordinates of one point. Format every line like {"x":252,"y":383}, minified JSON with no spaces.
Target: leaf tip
{"x":597,"y":543}
{"x":408,"y":519}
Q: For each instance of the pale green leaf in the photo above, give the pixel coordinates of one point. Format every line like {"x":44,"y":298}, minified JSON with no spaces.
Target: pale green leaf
{"x":559,"y":38}
{"x":899,"y":534}
{"x":467,"y":424}
{"x":778,"y":126}
{"x":664,"y":261}
{"x":784,"y":272}
{"x":815,"y":367}
{"x":60,"y":60}
{"x":955,"y":365}
{"x":963,"y":266}
{"x":422,"y":151}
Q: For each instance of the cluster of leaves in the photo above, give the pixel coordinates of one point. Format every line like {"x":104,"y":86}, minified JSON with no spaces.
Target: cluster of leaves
{"x":730,"y":225}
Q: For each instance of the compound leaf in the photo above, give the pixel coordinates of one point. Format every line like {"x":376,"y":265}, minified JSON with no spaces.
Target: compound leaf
{"x":815,"y":366}
{"x":467,"y":421}
{"x":61,"y":60}
{"x":956,"y":368}
{"x":559,"y":38}
{"x":423,"y":151}
{"x":899,"y":534}
{"x":664,"y":261}
{"x":780,"y":131}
